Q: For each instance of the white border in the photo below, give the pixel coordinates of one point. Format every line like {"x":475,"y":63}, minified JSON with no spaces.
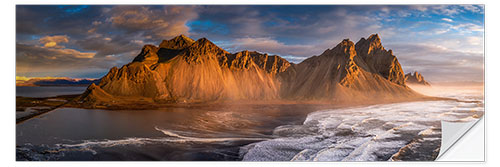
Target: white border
{"x":7,"y":153}
{"x":360,"y":2}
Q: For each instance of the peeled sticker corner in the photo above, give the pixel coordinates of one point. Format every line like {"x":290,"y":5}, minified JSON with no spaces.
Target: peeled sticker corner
{"x":451,"y":133}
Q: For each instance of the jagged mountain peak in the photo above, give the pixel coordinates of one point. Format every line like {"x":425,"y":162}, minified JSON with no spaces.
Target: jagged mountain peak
{"x":148,"y":55}
{"x":178,"y":42}
{"x":182,"y":36}
{"x":370,"y":44}
{"x":345,"y":47}
{"x":92,"y":86}
{"x":249,"y":53}
{"x":205,"y":42}
{"x":346,"y":42}
{"x":374,"y":37}
{"x":204,"y":46}
{"x":379,"y":60}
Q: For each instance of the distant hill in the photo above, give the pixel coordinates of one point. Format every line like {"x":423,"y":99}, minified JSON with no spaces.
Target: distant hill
{"x":416,"y":78}
{"x":54,"y":81}
{"x":182,"y":70}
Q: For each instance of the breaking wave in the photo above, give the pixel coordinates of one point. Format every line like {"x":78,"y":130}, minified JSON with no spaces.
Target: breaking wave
{"x":172,"y":138}
{"x":401,"y":131}
{"x":91,"y":146}
{"x":209,"y":140}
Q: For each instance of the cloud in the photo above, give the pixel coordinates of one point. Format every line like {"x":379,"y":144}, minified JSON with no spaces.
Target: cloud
{"x":54,"y":19}
{"x":134,"y":26}
{"x":94,"y":37}
{"x":246,"y":22}
{"x":161,"y":23}
{"x":106,"y":30}
{"x":456,"y":28}
{"x":33,"y":60}
{"x":474,"y":40}
{"x":299,"y":31}
{"x":53,"y":41}
{"x":474,"y":8}
{"x":468,"y":27}
{"x":449,"y":10}
{"x":446,"y":10}
{"x":39,"y":58}
{"x":421,"y":8}
{"x":447,"y":19}
{"x":439,"y":63}
{"x":269,"y":45}
{"x":105,"y":46}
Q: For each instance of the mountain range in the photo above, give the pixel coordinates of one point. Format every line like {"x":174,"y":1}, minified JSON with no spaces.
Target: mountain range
{"x":182,"y":70}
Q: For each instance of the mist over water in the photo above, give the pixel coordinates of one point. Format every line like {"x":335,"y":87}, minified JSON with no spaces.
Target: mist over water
{"x":399,"y":131}
{"x":461,"y":91}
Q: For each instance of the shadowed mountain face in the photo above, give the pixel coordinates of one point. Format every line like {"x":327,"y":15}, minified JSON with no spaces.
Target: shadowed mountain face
{"x":416,"y":78}
{"x":379,"y":60}
{"x":184,"y":70}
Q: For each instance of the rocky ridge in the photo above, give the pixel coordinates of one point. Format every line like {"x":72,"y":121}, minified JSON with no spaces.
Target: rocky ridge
{"x":379,"y":60}
{"x":181,"y":70}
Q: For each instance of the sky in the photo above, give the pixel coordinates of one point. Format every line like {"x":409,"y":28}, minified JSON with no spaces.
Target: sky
{"x":443,"y":42}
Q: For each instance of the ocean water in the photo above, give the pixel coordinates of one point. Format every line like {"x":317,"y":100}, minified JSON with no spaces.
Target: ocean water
{"x":375,"y":133}
{"x":409,"y":131}
{"x":196,"y":133}
{"x":48,"y":91}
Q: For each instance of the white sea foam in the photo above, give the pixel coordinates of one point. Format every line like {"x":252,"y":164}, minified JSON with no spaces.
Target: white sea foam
{"x":198,"y":139}
{"x":361,"y":134}
{"x":172,"y":137}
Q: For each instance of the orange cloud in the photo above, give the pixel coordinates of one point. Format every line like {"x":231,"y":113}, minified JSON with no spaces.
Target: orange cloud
{"x":24,"y":78}
{"x":53,"y":41}
{"x":39,"y":58}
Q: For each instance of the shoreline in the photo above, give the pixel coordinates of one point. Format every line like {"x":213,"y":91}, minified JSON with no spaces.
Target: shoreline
{"x":70,"y":103}
{"x":128,"y":104}
{"x":39,"y":105}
